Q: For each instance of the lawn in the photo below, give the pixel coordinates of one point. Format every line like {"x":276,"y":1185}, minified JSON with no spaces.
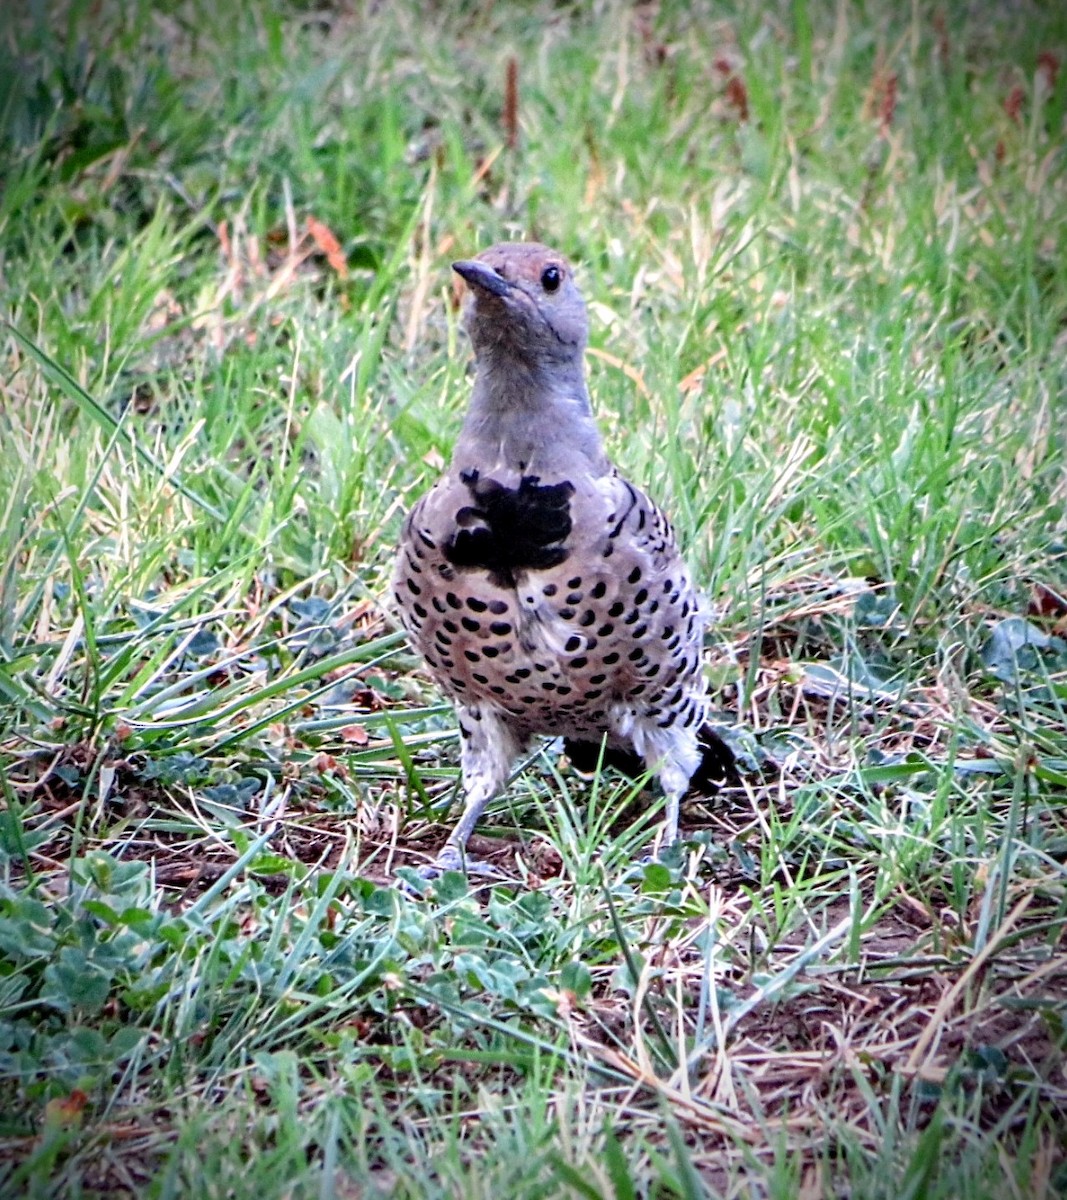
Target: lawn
{"x":825,"y":252}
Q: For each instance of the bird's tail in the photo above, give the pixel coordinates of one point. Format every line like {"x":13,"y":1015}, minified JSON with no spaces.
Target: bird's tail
{"x":718,"y":763}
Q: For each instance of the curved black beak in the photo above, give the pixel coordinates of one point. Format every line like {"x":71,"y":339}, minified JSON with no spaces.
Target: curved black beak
{"x":483,"y":277}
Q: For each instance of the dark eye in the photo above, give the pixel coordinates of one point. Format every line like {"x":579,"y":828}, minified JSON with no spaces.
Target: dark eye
{"x":551,"y":278}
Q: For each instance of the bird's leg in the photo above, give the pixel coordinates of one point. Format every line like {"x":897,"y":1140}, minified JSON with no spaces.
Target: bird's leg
{"x":674,"y":783}
{"x":670,"y":820}
{"x":488,"y":747}
{"x":674,"y":754}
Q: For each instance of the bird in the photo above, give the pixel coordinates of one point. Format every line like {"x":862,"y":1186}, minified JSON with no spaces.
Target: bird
{"x":545,"y":592}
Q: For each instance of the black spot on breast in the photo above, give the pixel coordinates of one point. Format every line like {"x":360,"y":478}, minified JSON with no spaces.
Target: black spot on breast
{"x":587,"y":618}
{"x":498,"y":607}
{"x":573,"y":643}
{"x":413,"y":587}
{"x":549,"y":590}
{"x":505,"y":530}
{"x":419,"y":611}
{"x":606,"y":630}
{"x":639,"y":598}
{"x":617,"y":609}
{"x":634,"y":576}
{"x":598,"y":589}
{"x":471,"y":655}
{"x":470,"y":624}
{"x":438,"y":604}
{"x":453,"y":600}
{"x":578,"y":662}
{"x":500,"y":628}
{"x":566,"y":614}
{"x":609,"y":660}
{"x":451,"y":626}
{"x":574,"y":598}
{"x":476,"y":605}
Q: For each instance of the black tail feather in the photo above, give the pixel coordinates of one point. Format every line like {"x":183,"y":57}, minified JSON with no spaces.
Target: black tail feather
{"x":718,"y":765}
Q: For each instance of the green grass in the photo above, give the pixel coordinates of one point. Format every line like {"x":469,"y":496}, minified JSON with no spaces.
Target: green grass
{"x":824,"y":248}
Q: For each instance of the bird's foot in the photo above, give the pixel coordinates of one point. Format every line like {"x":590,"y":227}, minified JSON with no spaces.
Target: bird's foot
{"x":664,"y":855}
{"x":451,"y":858}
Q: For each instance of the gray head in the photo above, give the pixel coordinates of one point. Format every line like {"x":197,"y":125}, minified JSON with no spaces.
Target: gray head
{"x":529,"y":407}
{"x":524,"y":305}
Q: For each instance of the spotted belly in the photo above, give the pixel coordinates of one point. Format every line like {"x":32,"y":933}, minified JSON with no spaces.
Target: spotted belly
{"x":563,"y":654}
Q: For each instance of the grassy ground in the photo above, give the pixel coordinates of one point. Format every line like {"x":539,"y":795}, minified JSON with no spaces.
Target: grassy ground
{"x":826,"y":256}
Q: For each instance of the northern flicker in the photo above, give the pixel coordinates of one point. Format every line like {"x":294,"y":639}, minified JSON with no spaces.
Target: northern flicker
{"x":546,"y":592}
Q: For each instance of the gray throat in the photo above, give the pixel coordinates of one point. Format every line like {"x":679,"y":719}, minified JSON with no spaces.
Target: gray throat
{"x":530,"y":420}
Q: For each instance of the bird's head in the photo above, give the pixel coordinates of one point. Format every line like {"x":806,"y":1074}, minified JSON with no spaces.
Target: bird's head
{"x":524,"y":304}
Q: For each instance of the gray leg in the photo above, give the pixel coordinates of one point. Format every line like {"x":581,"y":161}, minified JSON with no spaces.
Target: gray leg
{"x":488,"y":747}
{"x":674,"y":793}
{"x":674,"y":754}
